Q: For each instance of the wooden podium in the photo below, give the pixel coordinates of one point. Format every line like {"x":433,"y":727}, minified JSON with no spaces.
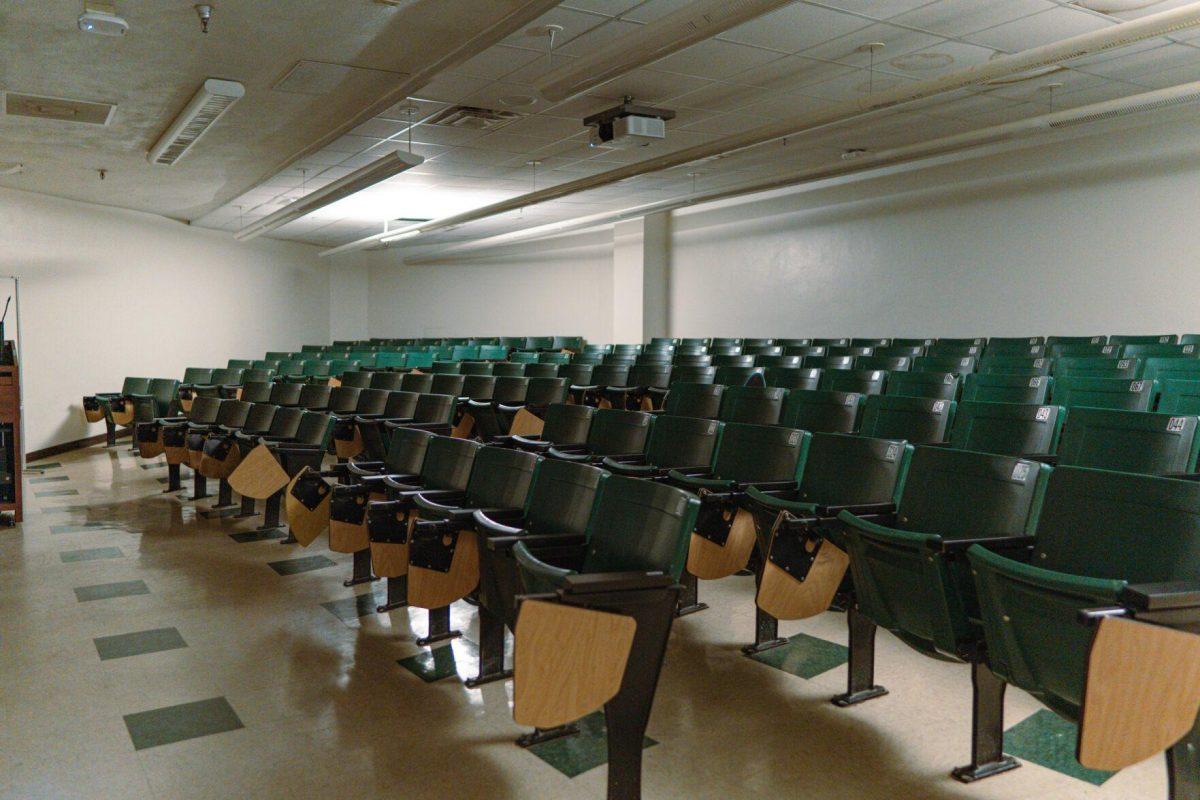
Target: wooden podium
{"x":11,"y":454}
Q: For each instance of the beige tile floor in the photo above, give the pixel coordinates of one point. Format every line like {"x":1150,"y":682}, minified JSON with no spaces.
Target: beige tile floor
{"x":327,"y":712}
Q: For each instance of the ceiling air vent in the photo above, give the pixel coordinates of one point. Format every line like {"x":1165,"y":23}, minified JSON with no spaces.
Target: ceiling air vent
{"x":57,"y":108}
{"x":212,"y":100}
{"x":472,"y":118}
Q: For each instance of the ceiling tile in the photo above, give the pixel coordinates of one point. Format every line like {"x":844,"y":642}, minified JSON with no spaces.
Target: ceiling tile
{"x":650,"y":86}
{"x":962,"y":17}
{"x":793,"y":73}
{"x":795,"y":27}
{"x":896,"y":41}
{"x":1049,"y":26}
{"x":496,"y":62}
{"x":715,"y":59}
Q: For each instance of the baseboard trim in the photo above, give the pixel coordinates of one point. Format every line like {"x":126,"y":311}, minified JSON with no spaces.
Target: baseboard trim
{"x":66,"y":447}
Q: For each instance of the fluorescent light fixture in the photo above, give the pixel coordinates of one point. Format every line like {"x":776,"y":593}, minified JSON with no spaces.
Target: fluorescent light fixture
{"x":395,"y":237}
{"x":378,"y":170}
{"x":693,"y":23}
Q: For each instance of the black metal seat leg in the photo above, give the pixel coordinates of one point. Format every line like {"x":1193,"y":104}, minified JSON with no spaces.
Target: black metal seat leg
{"x":362,"y":569}
{"x":248,"y":508}
{"x":1183,"y":767}
{"x":439,"y":627}
{"x":766,"y":633}
{"x":491,"y":650}
{"x":200,"y":483}
{"x":987,"y":728}
{"x":860,"y":672}
{"x":689,"y":599}
{"x":110,"y":433}
{"x":397,"y":594}
{"x":224,"y":494}
{"x":539,"y":735}
{"x":173,"y":481}
{"x":271,"y":512}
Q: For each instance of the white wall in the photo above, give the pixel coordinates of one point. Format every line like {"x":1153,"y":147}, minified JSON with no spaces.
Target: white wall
{"x":107,"y":293}
{"x":1091,"y":236}
{"x":350,"y":296}
{"x":557,"y":287}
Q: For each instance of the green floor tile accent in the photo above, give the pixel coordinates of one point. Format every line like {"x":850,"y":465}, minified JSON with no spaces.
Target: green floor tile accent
{"x":1046,"y":739}
{"x":575,"y":755}
{"x":138,"y":643}
{"x":90,"y":554}
{"x":160,"y":465}
{"x":219,"y":513}
{"x":293,"y":566}
{"x":104,"y":591}
{"x":48,"y":509}
{"x":56,"y":493}
{"x":804,"y":656}
{"x":457,"y":658}
{"x":177,"y":723}
{"x":348,"y":609}
{"x":49,"y":479}
{"x":257,"y":536}
{"x":82,"y":526}
{"x":48,"y":465}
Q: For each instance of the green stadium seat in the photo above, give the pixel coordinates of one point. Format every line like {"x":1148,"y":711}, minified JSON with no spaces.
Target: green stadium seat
{"x":826,"y":342}
{"x":240,"y":363}
{"x":885,"y":363}
{"x":861,"y":342}
{"x":614,"y":432}
{"x":1105,"y":393}
{"x":917,"y":420}
{"x":821,"y":411}
{"x":1012,"y":429}
{"x":100,"y":406}
{"x":564,"y":424}
{"x":256,"y":391}
{"x":684,"y":443}
{"x":960,"y":365}
{"x":694,"y":400}
{"x":934,"y":385}
{"x":860,"y":381}
{"x":785,"y":343}
{"x":1083,"y":349}
{"x":1145,"y":339}
{"x":806,"y":350}
{"x":770,"y":362}
{"x":757,"y":405}
{"x":829,"y":362}
{"x":855,"y":352}
{"x":646,"y":386}
{"x":389,"y":381}
{"x":314,"y":396}
{"x":475,"y":368}
{"x":911,"y":576}
{"x":902,"y":342}
{"x":1158,"y":350}
{"x":448,"y":383}
{"x":738,"y":376}
{"x":1124,"y":546}
{"x":1014,"y":345}
{"x":733,"y":361}
{"x":1016,"y":365}
{"x":357,"y":380}
{"x":507,"y":369}
{"x":629,"y":564}
{"x":1179,"y":397}
{"x":495,"y":418}
{"x":1129,"y":441}
{"x":910,"y":351}
{"x":419,"y":382}
{"x":1098,"y":367}
{"x":1158,"y":368}
{"x":1002,"y":388}
{"x":793,"y":377}
{"x":602,"y":377}
{"x":446,"y":368}
{"x":762,"y":350}
{"x":693,"y":374}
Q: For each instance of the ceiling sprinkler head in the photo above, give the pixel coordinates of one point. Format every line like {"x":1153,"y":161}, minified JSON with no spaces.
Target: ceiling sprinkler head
{"x":204,"y":12}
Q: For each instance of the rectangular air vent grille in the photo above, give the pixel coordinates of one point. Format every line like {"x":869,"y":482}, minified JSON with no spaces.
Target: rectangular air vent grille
{"x":473,"y":118}
{"x":57,"y":108}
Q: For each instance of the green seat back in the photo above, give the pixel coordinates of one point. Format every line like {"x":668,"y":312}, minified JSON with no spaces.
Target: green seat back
{"x":1104,"y":393}
{"x":919,"y":420}
{"x":842,"y":469}
{"x":968,"y":341}
{"x":610,"y":375}
{"x":406,"y":449}
{"x":509,"y":369}
{"x":522,"y":357}
{"x":500,"y":478}
{"x":567,"y":424}
{"x":850,"y":350}
{"x":577,"y":374}
{"x":1081,"y":350}
{"x":561,"y":497}
{"x":957,"y":364}
{"x":828,"y":342}
{"x":389,"y":381}
{"x":435,"y":408}
{"x":933,"y":385}
{"x":737,"y":376}
{"x":773,"y":362}
{"x":1129,"y":441}
{"x":280,"y":355}
{"x":1016,"y":365}
{"x":285,"y":423}
{"x":317,"y":369}
{"x":419,"y":382}
{"x":821,"y":411}
{"x":884,"y":363}
{"x":401,"y":404}
{"x":793,"y":377}
{"x":291,"y":367}
{"x":257,"y":391}
{"x":448,"y":463}
{"x":260,"y":417}
{"x":448,"y":383}
{"x":266,"y":364}
{"x":163,"y":390}
{"x":315,"y":428}
{"x":545,"y":391}
{"x":902,"y":342}
{"x":1158,"y":351}
{"x":492,"y":352}
{"x":1001,"y":388}
{"x":896,"y":350}
{"x":357,"y":380}
{"x":760,"y":405}
{"x":239,"y":363}
{"x":464,"y":352}
{"x":1153,"y":338}
{"x":204,"y":410}
{"x":419,"y":360}
{"x":1163,"y":369}
{"x":693,"y":374}
{"x":475,"y":368}
{"x":371,"y":401}
{"x":195,"y":375}
{"x":694,"y":400}
{"x":1013,"y":345}
{"x":1179,"y":397}
{"x":924,"y":597}
{"x":446,"y":367}
{"x":682,"y":441}
{"x":639,"y":525}
{"x":827,"y":363}
{"x":1011,"y":429}
{"x":256,"y":375}
{"x":760,"y":453}
{"x":860,"y":381}
{"x":343,"y":400}
{"x":1098,"y":531}
{"x":615,"y":431}
{"x":286,"y":394}
{"x":227,"y":377}
{"x":511,"y":390}
{"x":390,"y":360}
{"x":233,"y":413}
{"x":644,"y":375}
{"x":478,"y":387}
{"x":315,"y":396}
{"x":945,"y":348}
{"x":1097,"y":367}
{"x":553,"y":358}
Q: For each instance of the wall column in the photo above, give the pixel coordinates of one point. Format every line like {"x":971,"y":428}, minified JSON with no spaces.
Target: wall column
{"x":641,"y":278}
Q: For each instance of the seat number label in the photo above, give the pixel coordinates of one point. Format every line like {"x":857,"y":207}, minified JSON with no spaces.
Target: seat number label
{"x":893,"y":452}
{"x":1175,"y":424}
{"x":1035,"y":382}
{"x":938,"y":405}
{"x":1136,"y":386}
{"x":1020,"y":471}
{"x":1043,"y":414}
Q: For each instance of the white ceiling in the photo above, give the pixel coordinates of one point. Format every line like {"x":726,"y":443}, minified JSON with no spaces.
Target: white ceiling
{"x":795,"y":60}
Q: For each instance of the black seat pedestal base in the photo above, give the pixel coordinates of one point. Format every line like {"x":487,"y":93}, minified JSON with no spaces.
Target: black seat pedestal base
{"x":248,"y":508}
{"x":1183,"y":767}
{"x":397,"y":594}
{"x":439,"y":627}
{"x":174,"y":484}
{"x":987,"y":728}
{"x":766,"y":634}
{"x":491,"y":650}
{"x":362,"y":569}
{"x":689,"y":599}
{"x":540,"y":735}
{"x":860,"y":672}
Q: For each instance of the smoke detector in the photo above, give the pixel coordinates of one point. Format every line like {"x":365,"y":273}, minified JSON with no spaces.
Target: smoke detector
{"x":102,"y":20}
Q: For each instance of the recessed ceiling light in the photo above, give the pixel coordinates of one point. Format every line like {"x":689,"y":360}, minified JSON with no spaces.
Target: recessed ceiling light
{"x":917,"y":62}
{"x":1114,"y":6}
{"x":516,"y":100}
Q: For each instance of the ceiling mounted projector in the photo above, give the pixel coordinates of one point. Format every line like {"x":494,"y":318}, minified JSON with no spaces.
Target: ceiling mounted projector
{"x":628,"y":125}
{"x":102,"y":19}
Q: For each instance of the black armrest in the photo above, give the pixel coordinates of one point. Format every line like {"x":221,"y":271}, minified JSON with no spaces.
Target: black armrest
{"x":297,"y":447}
{"x":569,"y":455}
{"x":576,"y":388}
{"x":530,"y":444}
{"x":363,"y":468}
{"x":1170,"y":595}
{"x":990,"y":542}
{"x":454,"y":500}
{"x":397,"y":482}
{"x":507,"y":409}
{"x":594,"y":583}
{"x":866,"y":509}
{"x":505,"y":543}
